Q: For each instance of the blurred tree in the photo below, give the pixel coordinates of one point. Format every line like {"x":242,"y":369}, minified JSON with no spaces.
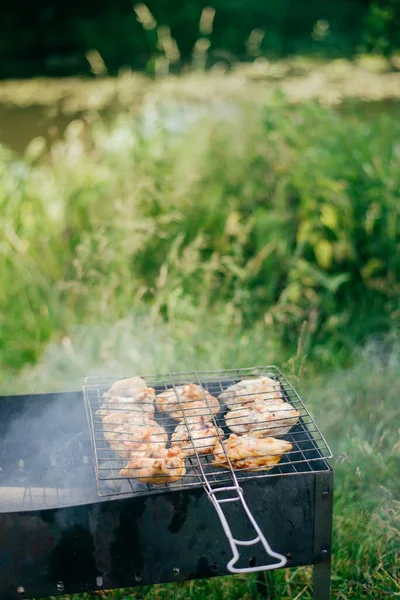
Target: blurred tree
{"x":53,"y":38}
{"x":382,"y":27}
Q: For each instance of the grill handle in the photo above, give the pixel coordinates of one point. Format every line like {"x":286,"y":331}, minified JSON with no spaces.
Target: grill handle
{"x":235,"y":544}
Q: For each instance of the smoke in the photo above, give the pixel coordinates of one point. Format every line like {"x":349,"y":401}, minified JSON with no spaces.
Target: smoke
{"x":140,"y":345}
{"x":45,"y":453}
{"x":46,"y":457}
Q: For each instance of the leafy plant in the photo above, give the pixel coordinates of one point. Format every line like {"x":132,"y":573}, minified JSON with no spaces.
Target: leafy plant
{"x":287,"y":214}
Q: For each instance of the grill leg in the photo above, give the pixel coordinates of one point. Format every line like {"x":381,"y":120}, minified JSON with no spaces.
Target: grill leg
{"x":265,"y":585}
{"x":322,"y":581}
{"x":323,"y":535}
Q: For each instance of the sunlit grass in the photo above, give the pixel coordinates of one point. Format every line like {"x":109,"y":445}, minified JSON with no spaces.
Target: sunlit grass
{"x":369,"y":78}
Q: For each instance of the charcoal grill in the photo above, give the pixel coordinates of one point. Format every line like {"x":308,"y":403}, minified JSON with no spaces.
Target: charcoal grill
{"x":70,"y":523}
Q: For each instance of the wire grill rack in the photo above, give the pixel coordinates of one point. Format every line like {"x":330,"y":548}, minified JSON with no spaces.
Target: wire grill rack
{"x":309,"y":451}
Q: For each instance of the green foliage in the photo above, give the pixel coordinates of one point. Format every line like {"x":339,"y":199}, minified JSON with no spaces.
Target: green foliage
{"x":285,"y":214}
{"x":382,"y":26}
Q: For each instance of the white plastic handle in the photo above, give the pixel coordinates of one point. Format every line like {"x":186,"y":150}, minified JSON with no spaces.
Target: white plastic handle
{"x":260,"y":538}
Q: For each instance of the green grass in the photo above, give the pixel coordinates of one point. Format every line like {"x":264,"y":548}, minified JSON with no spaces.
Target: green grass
{"x":270,"y":236}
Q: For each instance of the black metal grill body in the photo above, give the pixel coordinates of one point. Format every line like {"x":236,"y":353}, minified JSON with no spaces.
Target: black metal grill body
{"x":58,"y":536}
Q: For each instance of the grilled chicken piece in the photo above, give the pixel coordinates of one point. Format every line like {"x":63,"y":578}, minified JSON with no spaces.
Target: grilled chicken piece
{"x":251,"y":452}
{"x":267,"y":418}
{"x":129,"y":433}
{"x":247,"y":391}
{"x":204,"y":434}
{"x":131,"y":394}
{"x":142,"y":402}
{"x":126,"y":418}
{"x":157,"y":466}
{"x":127,"y":388}
{"x":193,"y":400}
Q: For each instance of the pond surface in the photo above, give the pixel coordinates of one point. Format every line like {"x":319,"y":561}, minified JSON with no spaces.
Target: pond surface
{"x":18,"y":126}
{"x":44,"y":108}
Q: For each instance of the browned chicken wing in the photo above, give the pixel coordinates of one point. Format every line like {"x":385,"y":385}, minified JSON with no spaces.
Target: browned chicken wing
{"x":156,"y":466}
{"x":268,"y":418}
{"x":251,"y":452}
{"x":129,"y":433}
{"x":195,"y":401}
{"x":245,"y":392}
{"x":127,"y":388}
{"x":203,"y":432}
{"x":142,"y":402}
